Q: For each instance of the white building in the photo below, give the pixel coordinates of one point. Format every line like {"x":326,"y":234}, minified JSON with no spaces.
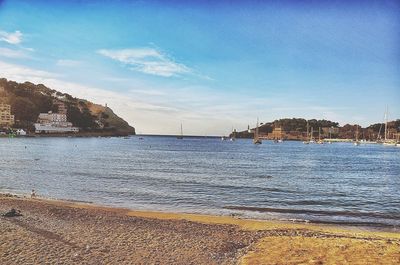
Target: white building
{"x":21,"y":132}
{"x":52,"y":117}
{"x":6,"y":118}
{"x":54,"y":123}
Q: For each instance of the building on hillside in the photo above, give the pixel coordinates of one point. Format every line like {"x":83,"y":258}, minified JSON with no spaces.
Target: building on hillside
{"x":6,"y":118}
{"x":54,"y":123}
{"x":327,"y":131}
{"x":277,"y":133}
{"x":391,"y":133}
{"x":61,"y":107}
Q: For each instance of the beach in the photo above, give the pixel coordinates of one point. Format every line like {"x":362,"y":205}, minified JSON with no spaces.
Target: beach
{"x":64,"y":232}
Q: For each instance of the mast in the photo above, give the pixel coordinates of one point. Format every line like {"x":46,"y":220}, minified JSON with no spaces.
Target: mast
{"x":312,"y":133}
{"x":181,"y":130}
{"x":357,"y":133}
{"x":181,"y":135}
{"x":308,"y":131}
{"x":386,"y":114}
{"x":319,"y":134}
{"x":256,"y":132}
{"x":256,"y":139}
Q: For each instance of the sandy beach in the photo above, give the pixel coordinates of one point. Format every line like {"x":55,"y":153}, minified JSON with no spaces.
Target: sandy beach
{"x":62,"y":232}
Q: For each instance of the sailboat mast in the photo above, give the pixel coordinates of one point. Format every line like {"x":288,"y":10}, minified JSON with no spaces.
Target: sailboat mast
{"x":319,"y":133}
{"x":386,"y":114}
{"x":256,"y":132}
{"x":357,"y":133}
{"x":181,"y":130}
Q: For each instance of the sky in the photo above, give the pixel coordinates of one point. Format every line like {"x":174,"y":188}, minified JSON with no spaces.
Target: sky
{"x":210,"y":65}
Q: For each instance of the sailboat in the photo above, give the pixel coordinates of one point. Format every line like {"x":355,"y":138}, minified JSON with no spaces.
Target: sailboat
{"x":180,"y":136}
{"x":356,"y":143}
{"x":256,"y":139}
{"x":307,"y":141}
{"x":233,"y":135}
{"x":319,"y":136}
{"x":387,"y":141}
{"x":312,"y":141}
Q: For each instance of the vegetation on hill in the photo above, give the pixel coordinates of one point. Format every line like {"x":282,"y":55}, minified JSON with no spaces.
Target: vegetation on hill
{"x":348,"y":131}
{"x":27,"y":100}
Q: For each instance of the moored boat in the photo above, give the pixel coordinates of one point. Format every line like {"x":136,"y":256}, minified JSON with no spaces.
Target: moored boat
{"x":256,"y":139}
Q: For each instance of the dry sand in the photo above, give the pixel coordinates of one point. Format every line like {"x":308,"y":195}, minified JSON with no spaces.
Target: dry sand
{"x":59,"y":232}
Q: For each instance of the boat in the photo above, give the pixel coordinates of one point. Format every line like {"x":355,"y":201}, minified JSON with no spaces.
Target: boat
{"x":233,"y":135}
{"x":256,"y":139}
{"x":180,"y":136}
{"x":307,"y":141}
{"x":387,"y":141}
{"x":390,"y":143}
{"x":319,"y":137}
{"x":312,"y":141}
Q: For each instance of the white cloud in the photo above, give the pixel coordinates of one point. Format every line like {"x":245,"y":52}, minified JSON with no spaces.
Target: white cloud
{"x":149,"y":92}
{"x":147,"y":60}
{"x":11,"y":38}
{"x":11,"y":53}
{"x":68,"y":63}
{"x":22,"y":74}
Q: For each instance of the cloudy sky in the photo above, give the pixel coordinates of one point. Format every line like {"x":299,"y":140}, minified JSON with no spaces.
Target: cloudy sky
{"x":211,"y":66}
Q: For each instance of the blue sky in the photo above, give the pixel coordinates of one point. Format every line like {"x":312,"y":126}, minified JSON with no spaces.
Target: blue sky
{"x":210,"y":65}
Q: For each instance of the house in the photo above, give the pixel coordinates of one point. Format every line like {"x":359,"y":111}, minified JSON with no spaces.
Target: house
{"x":21,"y":132}
{"x":6,"y":118}
{"x":54,"y":123}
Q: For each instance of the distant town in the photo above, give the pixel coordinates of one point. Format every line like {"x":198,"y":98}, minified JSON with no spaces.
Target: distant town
{"x":303,"y":130}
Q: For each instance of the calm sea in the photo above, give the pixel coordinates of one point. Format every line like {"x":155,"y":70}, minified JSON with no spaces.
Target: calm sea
{"x":337,"y":183}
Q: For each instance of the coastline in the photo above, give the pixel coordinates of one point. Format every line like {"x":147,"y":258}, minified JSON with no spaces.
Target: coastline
{"x":233,"y":240}
{"x":73,"y":135}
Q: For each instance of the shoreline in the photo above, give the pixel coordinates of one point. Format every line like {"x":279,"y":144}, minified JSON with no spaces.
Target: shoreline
{"x":72,"y":135}
{"x":76,"y":226}
{"x":244,"y":222}
{"x":197,"y":216}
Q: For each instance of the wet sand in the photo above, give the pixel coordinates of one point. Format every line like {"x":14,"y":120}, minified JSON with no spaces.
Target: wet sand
{"x":60,"y":232}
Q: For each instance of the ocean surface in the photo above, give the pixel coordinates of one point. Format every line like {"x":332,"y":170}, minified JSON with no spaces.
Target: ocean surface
{"x":331,"y":183}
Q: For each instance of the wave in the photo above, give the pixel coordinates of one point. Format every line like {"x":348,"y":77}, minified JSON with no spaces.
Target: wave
{"x":390,"y":216}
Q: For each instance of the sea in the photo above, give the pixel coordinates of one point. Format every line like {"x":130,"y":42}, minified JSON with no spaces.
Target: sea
{"x":335,"y":183}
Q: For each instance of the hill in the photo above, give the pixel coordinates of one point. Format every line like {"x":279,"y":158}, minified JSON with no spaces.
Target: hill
{"x":27,"y":100}
{"x":296,"y":128}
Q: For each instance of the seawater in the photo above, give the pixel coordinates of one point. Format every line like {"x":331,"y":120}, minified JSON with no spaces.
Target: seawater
{"x":336,"y":183}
